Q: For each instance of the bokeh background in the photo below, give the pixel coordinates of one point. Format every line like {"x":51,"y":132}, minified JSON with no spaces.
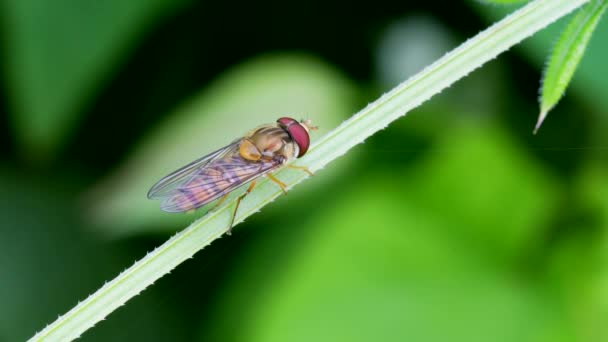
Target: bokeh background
{"x":453,"y":224}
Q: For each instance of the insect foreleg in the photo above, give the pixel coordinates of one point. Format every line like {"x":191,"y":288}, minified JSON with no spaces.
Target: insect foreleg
{"x":238,"y":202}
{"x":302,"y":168}
{"x":282,"y":185}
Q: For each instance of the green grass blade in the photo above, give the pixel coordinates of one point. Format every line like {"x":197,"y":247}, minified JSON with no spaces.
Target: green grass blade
{"x":503,"y":2}
{"x":566,"y":56}
{"x":469,"y":56}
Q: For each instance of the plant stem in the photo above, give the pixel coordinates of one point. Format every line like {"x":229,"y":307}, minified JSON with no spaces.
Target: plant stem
{"x":376,"y":116}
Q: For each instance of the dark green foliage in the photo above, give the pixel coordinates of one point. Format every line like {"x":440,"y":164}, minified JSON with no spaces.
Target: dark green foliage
{"x":453,"y":224}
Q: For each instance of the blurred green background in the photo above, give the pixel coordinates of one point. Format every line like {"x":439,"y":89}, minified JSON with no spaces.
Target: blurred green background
{"x":453,"y":224}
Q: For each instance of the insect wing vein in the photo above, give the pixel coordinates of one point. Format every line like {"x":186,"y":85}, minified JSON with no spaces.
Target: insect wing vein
{"x":216,"y":179}
{"x":167,"y":185}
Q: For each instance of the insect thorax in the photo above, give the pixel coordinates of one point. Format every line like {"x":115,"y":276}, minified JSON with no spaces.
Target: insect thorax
{"x":273,"y":141}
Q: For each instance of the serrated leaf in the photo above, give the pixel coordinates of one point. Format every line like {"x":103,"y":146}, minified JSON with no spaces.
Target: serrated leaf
{"x":57,"y":53}
{"x":252,"y":94}
{"x":567,"y":54}
{"x":589,"y":84}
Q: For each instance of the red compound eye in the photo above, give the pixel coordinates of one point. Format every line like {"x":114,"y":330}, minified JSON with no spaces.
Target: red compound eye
{"x":298,"y":133}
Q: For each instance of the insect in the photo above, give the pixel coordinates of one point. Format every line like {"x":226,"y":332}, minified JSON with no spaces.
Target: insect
{"x":260,"y":152}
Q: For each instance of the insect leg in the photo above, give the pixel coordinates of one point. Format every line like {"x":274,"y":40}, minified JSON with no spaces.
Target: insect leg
{"x":222,"y":199}
{"x":238,"y":202}
{"x":303,"y":168}
{"x":282,"y":185}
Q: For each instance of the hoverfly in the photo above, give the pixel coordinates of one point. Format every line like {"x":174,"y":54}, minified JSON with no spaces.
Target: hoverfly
{"x":259,"y":153}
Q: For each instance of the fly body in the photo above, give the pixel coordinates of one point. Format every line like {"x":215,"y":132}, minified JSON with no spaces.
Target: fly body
{"x":214,"y":176}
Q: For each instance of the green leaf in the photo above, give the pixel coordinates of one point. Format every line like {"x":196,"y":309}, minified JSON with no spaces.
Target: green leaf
{"x":567,"y":54}
{"x":589,"y":85}
{"x":58,"y":53}
{"x":503,"y":2}
{"x":255,"y":93}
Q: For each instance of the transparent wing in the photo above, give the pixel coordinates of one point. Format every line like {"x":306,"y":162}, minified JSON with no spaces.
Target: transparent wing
{"x":168,"y":184}
{"x":217,"y":178}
